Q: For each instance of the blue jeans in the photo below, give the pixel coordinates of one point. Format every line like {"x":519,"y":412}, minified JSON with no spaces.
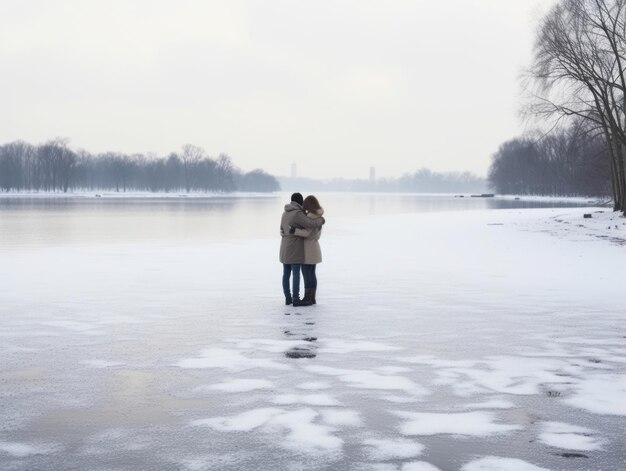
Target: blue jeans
{"x":310,"y":278}
{"x":287,"y":271}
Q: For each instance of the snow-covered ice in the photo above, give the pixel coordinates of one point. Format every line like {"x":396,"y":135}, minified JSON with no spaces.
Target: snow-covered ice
{"x":419,"y":466}
{"x":308,"y":399}
{"x":601,"y":394}
{"x":231,"y":360}
{"x":294,"y":429}
{"x":494,"y":463}
{"x":238,"y":385}
{"x":22,"y":450}
{"x":476,"y":340}
{"x":480,"y":424}
{"x":388,"y":449}
{"x":570,"y":437}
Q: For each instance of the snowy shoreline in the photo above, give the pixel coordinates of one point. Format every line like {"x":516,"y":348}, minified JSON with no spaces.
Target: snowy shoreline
{"x":174,"y":195}
{"x":134,"y":195}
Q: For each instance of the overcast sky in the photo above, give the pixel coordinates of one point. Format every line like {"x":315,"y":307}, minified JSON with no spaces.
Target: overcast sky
{"x":336,"y":86}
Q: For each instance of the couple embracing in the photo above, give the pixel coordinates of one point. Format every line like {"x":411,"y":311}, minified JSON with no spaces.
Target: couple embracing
{"x":300,"y":230}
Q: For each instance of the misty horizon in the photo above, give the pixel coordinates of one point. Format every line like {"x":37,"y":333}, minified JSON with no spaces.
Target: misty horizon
{"x":374,"y":87}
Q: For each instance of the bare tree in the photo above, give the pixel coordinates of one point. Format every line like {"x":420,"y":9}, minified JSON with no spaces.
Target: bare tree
{"x":579,"y":61}
{"x":190,"y":157}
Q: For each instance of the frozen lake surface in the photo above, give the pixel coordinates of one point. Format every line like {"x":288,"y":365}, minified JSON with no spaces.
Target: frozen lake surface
{"x":153,"y":335}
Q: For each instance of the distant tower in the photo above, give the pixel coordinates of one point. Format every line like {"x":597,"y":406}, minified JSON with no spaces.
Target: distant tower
{"x":294,"y":170}
{"x":372,"y":175}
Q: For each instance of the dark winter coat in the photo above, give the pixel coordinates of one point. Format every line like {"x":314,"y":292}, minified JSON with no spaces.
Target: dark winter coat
{"x":292,"y":246}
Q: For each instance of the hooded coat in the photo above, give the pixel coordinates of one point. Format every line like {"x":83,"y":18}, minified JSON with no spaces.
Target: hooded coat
{"x":292,"y":246}
{"x":312,"y":249}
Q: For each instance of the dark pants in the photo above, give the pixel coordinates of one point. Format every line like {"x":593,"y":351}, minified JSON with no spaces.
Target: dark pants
{"x":287,"y":271}
{"x":310,"y":278}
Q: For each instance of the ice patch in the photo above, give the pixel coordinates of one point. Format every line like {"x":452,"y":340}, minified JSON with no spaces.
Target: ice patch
{"x":393,"y":370}
{"x":230,"y":360}
{"x":377,"y":467}
{"x":478,"y":424}
{"x":438,"y":362}
{"x":509,"y":375}
{"x":401,"y":399}
{"x":369,"y":380}
{"x":313,"y":385}
{"x":495,"y":463}
{"x":601,"y":395}
{"x":305,"y":436}
{"x":569,"y":437}
{"x":244,"y":422}
{"x":74,"y":326}
{"x":493,"y":404}
{"x":268,"y":345}
{"x":300,"y":433}
{"x":401,"y":448}
{"x":238,"y":385}
{"x":21,"y":450}
{"x":346,"y":418}
{"x":419,"y":466}
{"x":101,"y":363}
{"x":308,"y":399}
{"x":345,"y":346}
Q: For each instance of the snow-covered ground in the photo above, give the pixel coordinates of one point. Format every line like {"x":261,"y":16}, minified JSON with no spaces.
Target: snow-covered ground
{"x":477,"y":340}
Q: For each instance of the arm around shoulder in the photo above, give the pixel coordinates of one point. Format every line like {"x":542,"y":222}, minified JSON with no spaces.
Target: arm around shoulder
{"x":303,"y":232}
{"x":308,"y":223}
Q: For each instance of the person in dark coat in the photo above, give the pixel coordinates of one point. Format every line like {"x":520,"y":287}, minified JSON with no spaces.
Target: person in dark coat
{"x":292,"y":247}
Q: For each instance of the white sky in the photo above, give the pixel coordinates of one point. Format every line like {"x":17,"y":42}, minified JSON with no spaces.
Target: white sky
{"x":334,"y":85}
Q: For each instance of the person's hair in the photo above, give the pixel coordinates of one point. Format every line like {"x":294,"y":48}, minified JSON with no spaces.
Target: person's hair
{"x":297,"y":197}
{"x":311,"y":204}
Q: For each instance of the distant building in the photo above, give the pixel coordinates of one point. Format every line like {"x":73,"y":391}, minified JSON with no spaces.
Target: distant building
{"x":294,"y":170}
{"x":372,"y":175}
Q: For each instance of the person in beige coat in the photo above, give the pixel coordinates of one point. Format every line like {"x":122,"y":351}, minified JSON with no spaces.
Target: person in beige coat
{"x":292,"y":247}
{"x":312,"y":249}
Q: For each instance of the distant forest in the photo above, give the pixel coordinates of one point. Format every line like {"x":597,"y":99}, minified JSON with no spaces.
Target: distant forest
{"x":421,"y":181}
{"x":569,"y":162}
{"x":54,"y":167}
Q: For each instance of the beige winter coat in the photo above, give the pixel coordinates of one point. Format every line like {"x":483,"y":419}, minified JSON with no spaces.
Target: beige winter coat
{"x":292,"y":246}
{"x":312,"y":249}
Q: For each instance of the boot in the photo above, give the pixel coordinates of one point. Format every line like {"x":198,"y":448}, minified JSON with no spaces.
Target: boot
{"x":288,"y":300}
{"x":300,"y":302}
{"x":307,"y":296}
{"x":313,"y":292}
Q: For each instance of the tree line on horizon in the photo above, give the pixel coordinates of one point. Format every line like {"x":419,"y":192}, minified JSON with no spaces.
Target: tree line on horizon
{"x":423,"y":180}
{"x":577,"y":79}
{"x":54,"y":167}
{"x":568,"y":162}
